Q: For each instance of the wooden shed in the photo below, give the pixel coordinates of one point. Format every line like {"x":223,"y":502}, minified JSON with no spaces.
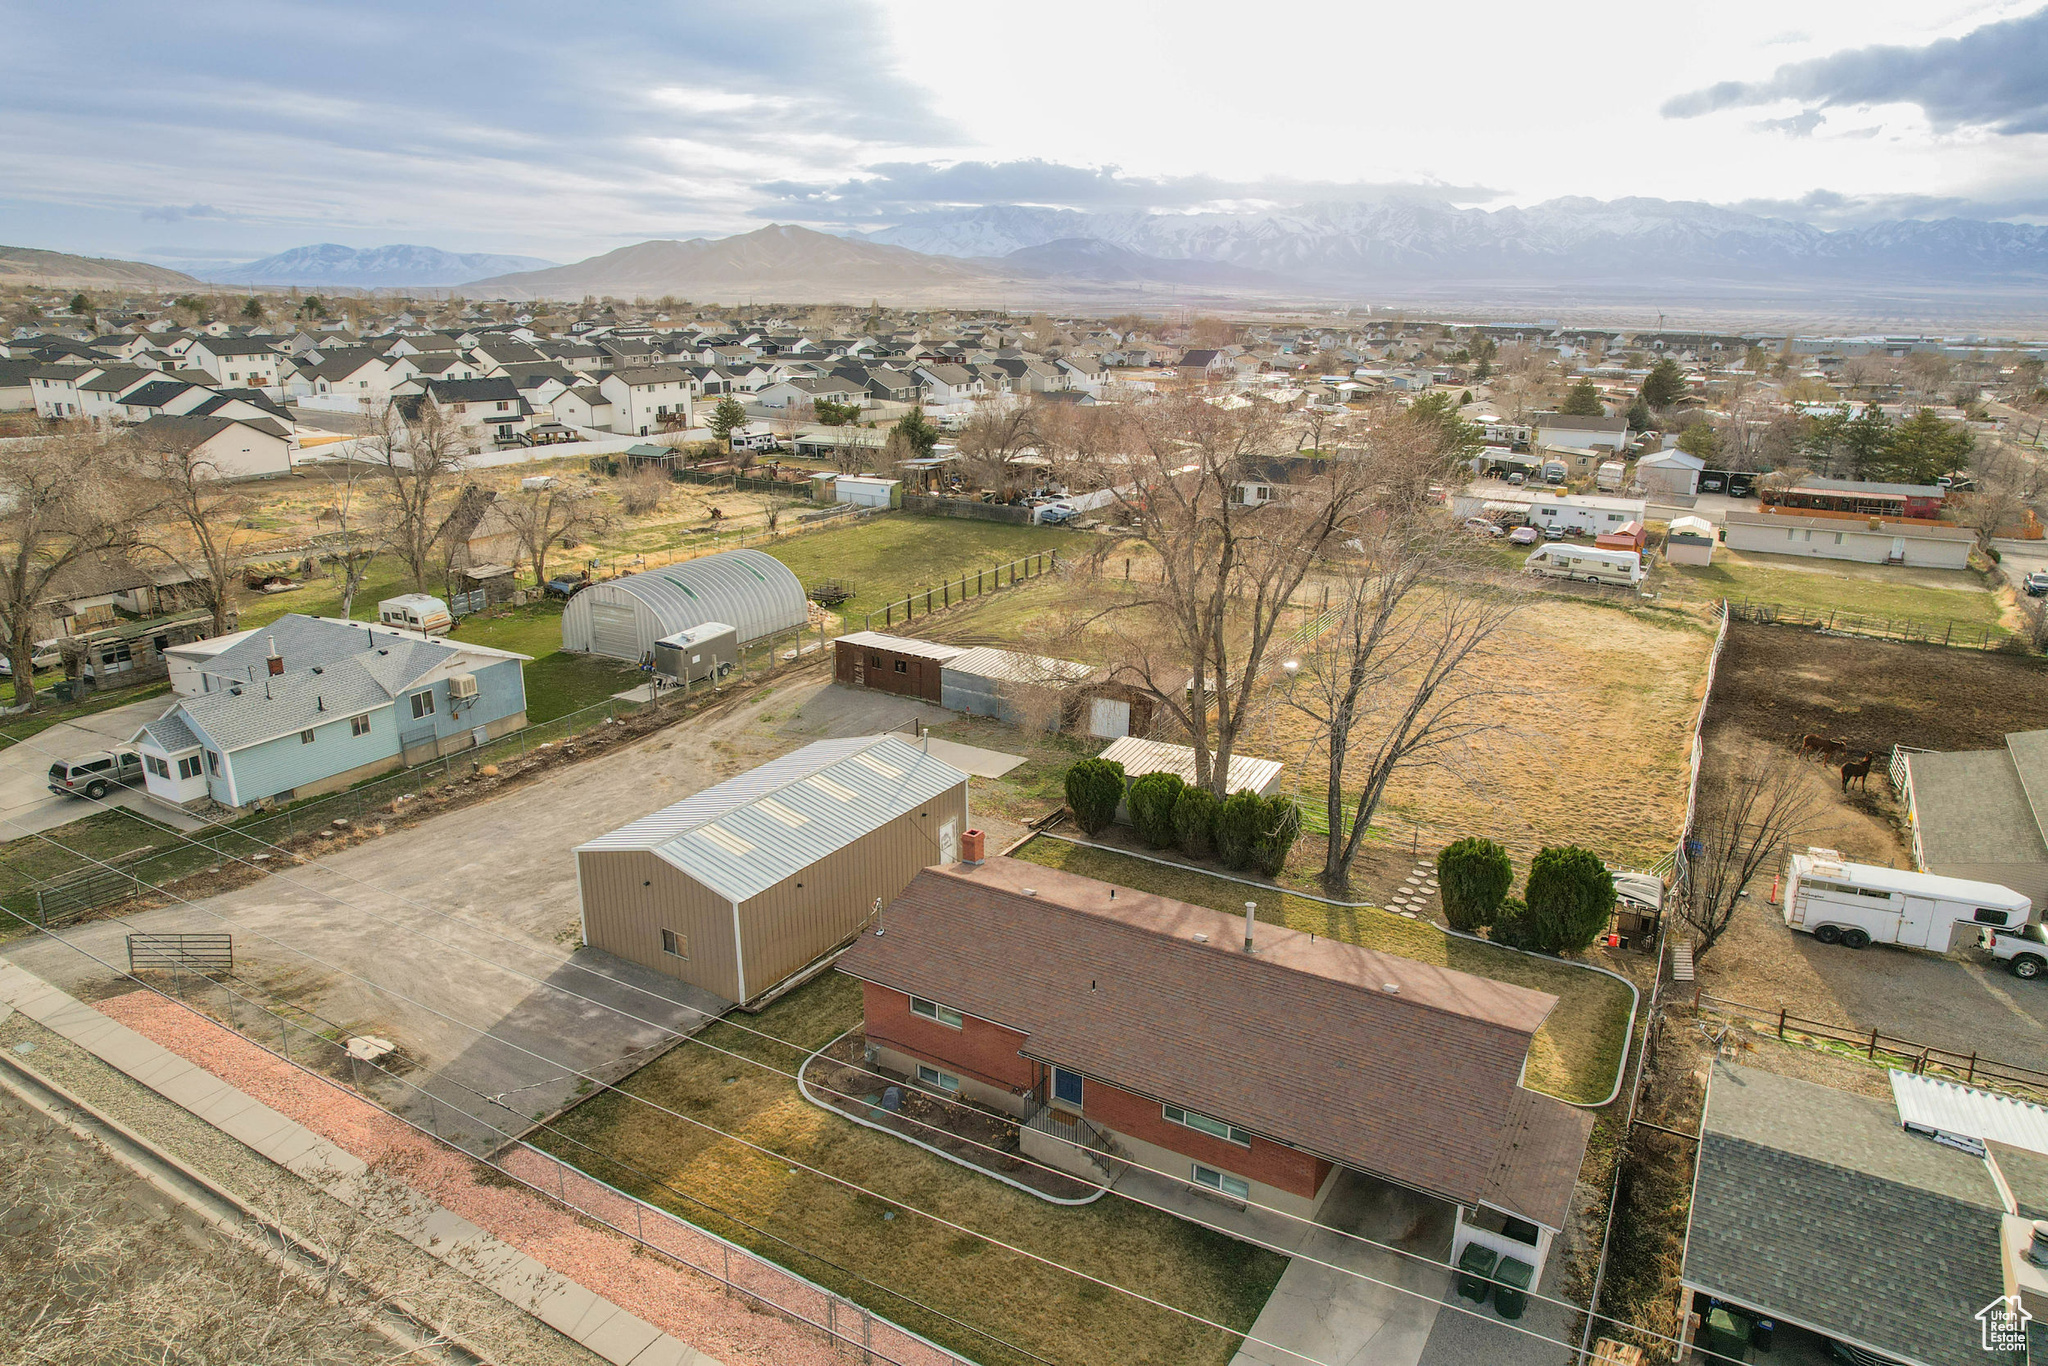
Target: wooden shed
{"x":898,"y":664}
{"x":744,"y":884}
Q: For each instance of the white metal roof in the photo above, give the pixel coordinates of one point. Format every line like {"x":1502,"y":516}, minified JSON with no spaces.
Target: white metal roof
{"x":1822,"y":863}
{"x":750,"y":832}
{"x":1140,"y":756}
{"x":1950,"y":1107}
{"x":1008,"y":666}
{"x":1692,"y":526}
{"x":755,"y":592}
{"x":904,"y":645}
{"x":696,"y":634}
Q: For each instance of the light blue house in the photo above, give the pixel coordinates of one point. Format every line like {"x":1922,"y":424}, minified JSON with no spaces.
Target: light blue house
{"x":309,"y":704}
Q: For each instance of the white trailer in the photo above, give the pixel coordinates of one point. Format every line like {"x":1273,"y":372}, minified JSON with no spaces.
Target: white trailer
{"x":1859,"y":904}
{"x":1609,"y":476}
{"x":1560,"y":561}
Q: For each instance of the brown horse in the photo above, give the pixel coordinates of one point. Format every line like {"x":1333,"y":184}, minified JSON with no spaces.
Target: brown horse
{"x":1830,"y":751}
{"x":1857,"y":770}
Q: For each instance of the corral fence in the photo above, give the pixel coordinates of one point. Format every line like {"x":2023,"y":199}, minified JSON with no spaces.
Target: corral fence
{"x":1895,"y":766}
{"x":205,"y":952}
{"x":972,"y":509}
{"x":66,"y":897}
{"x":1969,"y":635}
{"x":953,"y":592}
{"x":1908,"y":1055}
{"x":454,"y":1114}
{"x":467,"y":604}
{"x":1676,"y":864}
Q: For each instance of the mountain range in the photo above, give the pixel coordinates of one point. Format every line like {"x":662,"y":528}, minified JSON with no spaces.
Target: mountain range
{"x":399,"y":266}
{"x":61,"y":270}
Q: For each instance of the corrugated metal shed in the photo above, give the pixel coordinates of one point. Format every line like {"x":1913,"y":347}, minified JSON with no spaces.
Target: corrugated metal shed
{"x":749,"y":833}
{"x":1140,"y":757}
{"x":1961,"y":1111}
{"x":1007,"y":666}
{"x":754,"y":592}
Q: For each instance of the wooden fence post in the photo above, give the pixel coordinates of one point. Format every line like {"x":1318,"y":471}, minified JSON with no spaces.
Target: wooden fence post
{"x":1781,"y":1024}
{"x":1871,"y":1052}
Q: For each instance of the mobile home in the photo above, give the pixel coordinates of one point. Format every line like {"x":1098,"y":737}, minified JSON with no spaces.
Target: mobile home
{"x":1859,"y":904}
{"x":1561,"y":561}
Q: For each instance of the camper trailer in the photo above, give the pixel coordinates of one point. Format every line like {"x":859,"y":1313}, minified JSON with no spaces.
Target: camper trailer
{"x":1859,"y":904}
{"x":1609,"y":476}
{"x":1560,"y":561}
{"x":416,"y":612}
{"x":708,"y":651}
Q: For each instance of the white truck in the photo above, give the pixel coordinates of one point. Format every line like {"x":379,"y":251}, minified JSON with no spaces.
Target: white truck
{"x":2024,"y":950}
{"x":1859,"y":904}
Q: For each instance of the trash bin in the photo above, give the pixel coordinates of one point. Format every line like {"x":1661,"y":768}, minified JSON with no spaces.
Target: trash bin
{"x":1512,"y":1297}
{"x":63,"y":690}
{"x":1475,"y":1272}
{"x":1725,"y":1335}
{"x":1761,"y":1334}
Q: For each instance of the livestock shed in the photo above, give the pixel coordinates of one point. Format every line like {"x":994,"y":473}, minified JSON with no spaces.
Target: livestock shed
{"x":986,"y":681}
{"x":755,"y":594}
{"x":898,"y":664}
{"x":744,"y":884}
{"x":1140,"y":757}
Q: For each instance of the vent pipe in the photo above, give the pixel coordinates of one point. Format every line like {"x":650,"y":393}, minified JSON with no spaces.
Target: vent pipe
{"x":1251,"y":922}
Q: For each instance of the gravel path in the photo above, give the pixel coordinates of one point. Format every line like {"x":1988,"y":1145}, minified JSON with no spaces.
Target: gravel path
{"x":688,"y":1306}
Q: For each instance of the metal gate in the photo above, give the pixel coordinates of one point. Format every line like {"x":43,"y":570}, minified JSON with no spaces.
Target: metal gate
{"x":193,"y":952}
{"x":614,"y":630}
{"x":467,"y":604}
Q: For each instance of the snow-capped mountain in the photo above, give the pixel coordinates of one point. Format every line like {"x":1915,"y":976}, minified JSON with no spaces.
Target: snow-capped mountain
{"x":393,"y":267}
{"x":1651,"y":241}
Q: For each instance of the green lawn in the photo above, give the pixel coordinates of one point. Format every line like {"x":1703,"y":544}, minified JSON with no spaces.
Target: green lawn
{"x":887,"y":558}
{"x":1575,"y":1053}
{"x":816,"y":1227}
{"x":51,"y":712}
{"x":116,"y":837}
{"x":1832,"y":585}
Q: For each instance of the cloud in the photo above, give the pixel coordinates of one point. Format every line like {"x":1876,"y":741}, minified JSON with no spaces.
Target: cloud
{"x":891,"y":189}
{"x":1797,"y":126}
{"x":1994,"y":77}
{"x":173,"y":213}
{"x":1831,"y":209}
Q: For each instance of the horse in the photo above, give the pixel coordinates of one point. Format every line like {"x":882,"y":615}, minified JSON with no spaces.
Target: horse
{"x":1828,"y":750}
{"x":1857,"y":770}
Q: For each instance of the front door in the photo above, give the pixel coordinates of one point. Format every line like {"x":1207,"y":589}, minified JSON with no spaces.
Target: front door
{"x":1066,"y":1088}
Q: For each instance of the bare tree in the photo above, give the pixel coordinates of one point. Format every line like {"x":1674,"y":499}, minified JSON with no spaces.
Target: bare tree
{"x":541,"y":517}
{"x":2007,"y":484}
{"x":1743,"y":819}
{"x":207,"y":511}
{"x":417,"y":462}
{"x":60,"y":504}
{"x":351,"y":540}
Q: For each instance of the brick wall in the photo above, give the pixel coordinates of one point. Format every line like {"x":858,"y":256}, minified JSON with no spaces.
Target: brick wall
{"x":980,"y":1050}
{"x":1274,"y":1164}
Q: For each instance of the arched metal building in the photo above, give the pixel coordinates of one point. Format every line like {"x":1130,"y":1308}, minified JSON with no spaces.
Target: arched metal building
{"x":754,"y":593}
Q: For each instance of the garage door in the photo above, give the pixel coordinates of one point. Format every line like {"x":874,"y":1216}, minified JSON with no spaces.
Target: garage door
{"x":1108,"y":718}
{"x":612,"y":630}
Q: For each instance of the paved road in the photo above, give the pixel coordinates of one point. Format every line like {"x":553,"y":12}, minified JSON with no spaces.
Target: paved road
{"x":468,"y":922}
{"x":26,"y":803}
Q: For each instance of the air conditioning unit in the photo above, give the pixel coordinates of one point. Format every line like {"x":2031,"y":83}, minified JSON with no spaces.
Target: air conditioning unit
{"x":462,"y":687}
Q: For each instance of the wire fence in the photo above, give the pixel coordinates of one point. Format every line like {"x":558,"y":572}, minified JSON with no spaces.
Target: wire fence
{"x":454,"y":1115}
{"x":1969,"y":635}
{"x":953,"y":592}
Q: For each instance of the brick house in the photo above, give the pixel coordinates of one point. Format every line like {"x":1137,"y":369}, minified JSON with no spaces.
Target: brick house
{"x":1119,"y":1026}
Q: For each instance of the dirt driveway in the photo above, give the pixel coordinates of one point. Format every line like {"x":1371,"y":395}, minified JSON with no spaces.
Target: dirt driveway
{"x":472,"y":915}
{"x":1777,"y":682}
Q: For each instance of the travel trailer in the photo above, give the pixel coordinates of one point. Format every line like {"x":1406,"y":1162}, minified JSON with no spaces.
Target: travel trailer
{"x":416,"y":612}
{"x":1859,"y":904}
{"x":1560,"y":561}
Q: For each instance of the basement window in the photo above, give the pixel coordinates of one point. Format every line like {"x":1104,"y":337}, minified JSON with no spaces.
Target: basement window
{"x":1234,"y":1187}
{"x":932,"y":1010}
{"x":932,"y":1076}
{"x":675,"y":945}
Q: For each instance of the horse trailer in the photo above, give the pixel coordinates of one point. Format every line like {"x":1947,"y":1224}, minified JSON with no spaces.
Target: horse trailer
{"x":1562,"y":561}
{"x":1859,"y":904}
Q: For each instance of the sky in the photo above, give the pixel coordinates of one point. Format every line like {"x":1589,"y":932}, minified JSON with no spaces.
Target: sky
{"x":228,"y":130}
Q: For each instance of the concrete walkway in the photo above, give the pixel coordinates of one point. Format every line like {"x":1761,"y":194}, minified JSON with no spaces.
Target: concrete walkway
{"x":562,"y":1304}
{"x":26,"y":803}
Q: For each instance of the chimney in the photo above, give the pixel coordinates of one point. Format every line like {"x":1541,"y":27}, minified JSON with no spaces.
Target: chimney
{"x":276,"y":659}
{"x":971,"y":845}
{"x":1251,"y":922}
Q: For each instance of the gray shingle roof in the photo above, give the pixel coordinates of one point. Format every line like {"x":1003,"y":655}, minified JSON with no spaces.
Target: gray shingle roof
{"x":1972,"y":807}
{"x":251,"y":713}
{"x":1813,"y":1205}
{"x":169,"y":732}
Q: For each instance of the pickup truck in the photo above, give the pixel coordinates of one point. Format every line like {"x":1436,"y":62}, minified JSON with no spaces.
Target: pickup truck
{"x":2024,"y":949}
{"x":91,"y":775}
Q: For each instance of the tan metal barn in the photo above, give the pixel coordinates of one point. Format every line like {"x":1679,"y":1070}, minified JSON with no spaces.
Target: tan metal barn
{"x":743,"y":884}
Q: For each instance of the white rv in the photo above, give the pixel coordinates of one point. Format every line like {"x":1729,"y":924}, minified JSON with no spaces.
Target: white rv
{"x":1859,"y":904}
{"x":1561,"y":561}
{"x":416,"y":612}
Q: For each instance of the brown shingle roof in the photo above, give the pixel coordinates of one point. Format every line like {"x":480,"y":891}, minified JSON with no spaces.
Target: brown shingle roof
{"x":1300,"y":1041}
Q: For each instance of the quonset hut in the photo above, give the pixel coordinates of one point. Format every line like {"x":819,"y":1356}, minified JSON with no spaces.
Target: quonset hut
{"x":754,"y":593}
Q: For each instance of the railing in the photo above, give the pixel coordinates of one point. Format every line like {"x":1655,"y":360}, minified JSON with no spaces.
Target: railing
{"x":1086,"y":1138}
{"x":1910,"y":1055}
{"x":953,"y":592}
{"x":1971,"y":635}
{"x":1895,"y":767}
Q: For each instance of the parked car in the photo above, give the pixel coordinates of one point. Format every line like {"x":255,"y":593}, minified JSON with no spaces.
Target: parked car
{"x":93,"y":775}
{"x":45,"y":656}
{"x":1518,"y":479}
{"x":1524,"y":535}
{"x":567,"y":585}
{"x":2037,"y":583}
{"x":1484,"y":527}
{"x":1712,"y":483}
{"x":1553,"y":533}
{"x":2023,"y":949}
{"x":1056,"y":514}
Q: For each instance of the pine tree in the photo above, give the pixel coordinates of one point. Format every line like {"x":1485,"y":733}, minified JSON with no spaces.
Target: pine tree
{"x":1664,"y":385}
{"x":1582,"y":400}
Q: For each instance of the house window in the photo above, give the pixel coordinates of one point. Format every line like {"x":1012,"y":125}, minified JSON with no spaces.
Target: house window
{"x":903,"y":666}
{"x":422,"y":705}
{"x":213,"y":763}
{"x":874,"y":661}
{"x":675,"y":945}
{"x":1230,"y":1133}
{"x":1231,"y":1186}
{"x":305,"y":737}
{"x":932,"y":1076}
{"x":359,"y":726}
{"x":163,"y":770}
{"x":932,"y":1010}
{"x":188,"y":767}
